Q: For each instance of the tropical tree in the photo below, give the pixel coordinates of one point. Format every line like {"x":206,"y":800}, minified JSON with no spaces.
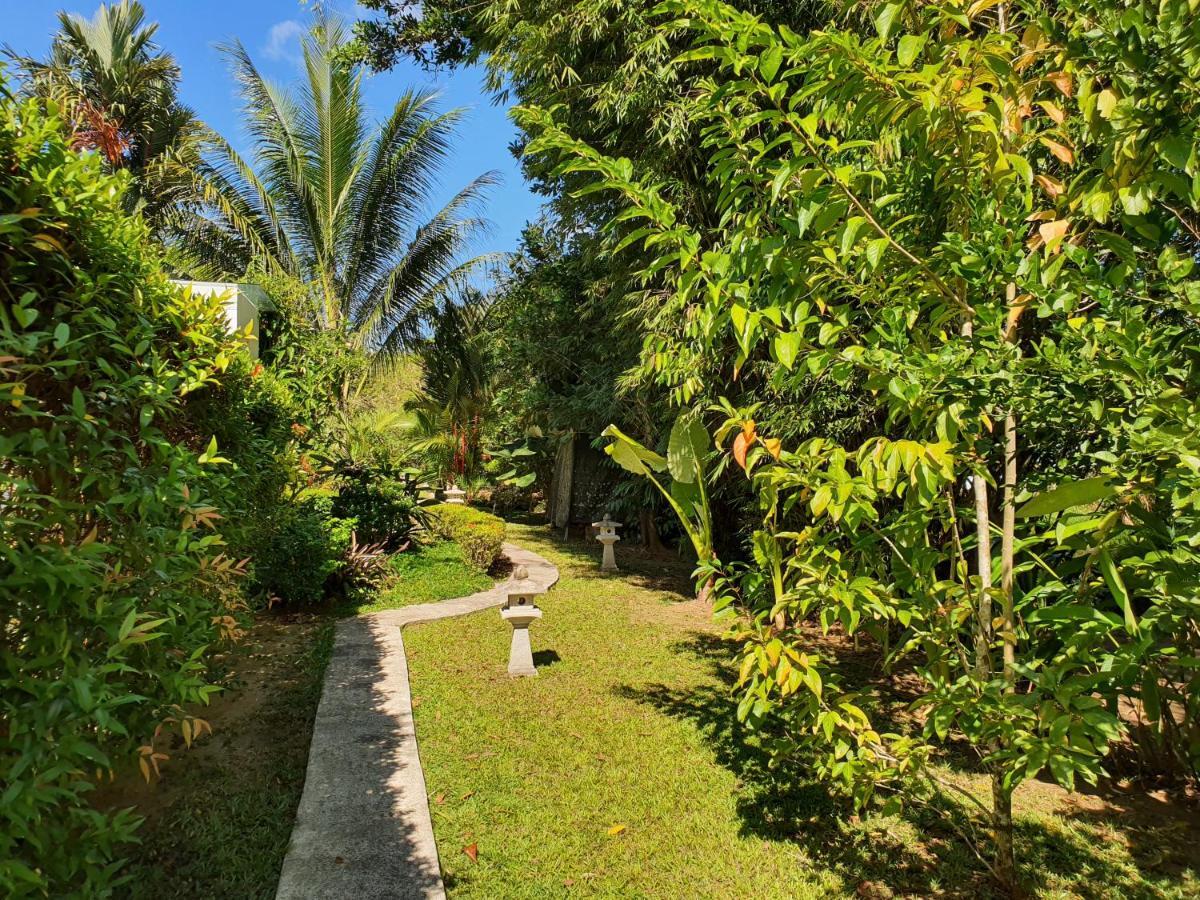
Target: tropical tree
{"x":451,"y":413}
{"x":985,"y":215}
{"x":336,"y":202}
{"x":121,"y":91}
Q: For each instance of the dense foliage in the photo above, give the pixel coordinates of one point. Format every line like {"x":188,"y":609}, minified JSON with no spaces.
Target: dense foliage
{"x":119,"y":92}
{"x":115,"y":578}
{"x":480,"y":535}
{"x":987,"y":221}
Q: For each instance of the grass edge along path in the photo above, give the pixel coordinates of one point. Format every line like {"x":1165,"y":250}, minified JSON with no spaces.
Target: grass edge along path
{"x":619,"y":770}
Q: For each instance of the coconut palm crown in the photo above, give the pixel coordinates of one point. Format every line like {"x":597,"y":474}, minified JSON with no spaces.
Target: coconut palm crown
{"x":334,"y":201}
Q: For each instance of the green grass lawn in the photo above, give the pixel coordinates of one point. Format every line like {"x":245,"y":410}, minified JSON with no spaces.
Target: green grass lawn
{"x":620,"y":772}
{"x":427,"y":574}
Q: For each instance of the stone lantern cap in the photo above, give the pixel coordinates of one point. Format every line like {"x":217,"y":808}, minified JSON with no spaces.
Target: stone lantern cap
{"x":607,"y":528}
{"x":522,"y":591}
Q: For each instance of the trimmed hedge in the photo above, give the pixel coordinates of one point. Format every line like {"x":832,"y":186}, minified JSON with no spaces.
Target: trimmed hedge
{"x":480,"y":534}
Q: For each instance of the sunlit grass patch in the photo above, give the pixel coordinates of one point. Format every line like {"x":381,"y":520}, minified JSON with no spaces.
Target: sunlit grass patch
{"x":620,"y":770}
{"x":427,"y":574}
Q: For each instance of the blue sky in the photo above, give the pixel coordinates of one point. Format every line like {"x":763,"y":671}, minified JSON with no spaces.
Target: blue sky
{"x":270,"y":30}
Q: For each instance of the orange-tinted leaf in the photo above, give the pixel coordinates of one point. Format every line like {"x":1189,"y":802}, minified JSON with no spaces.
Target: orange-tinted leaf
{"x":1062,"y":151}
{"x":1052,"y":186}
{"x":749,"y":429}
{"x":1053,"y":111}
{"x":1062,"y":81}
{"x":1053,"y":232}
{"x":740,"y":447}
{"x":774,"y":446}
{"x":472,"y":851}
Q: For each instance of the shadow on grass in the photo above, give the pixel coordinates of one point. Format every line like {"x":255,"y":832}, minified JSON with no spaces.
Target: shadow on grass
{"x":922,"y":852}
{"x":545,"y":658}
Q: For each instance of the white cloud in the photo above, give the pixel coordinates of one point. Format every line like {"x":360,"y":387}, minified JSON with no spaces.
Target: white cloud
{"x":283,"y":41}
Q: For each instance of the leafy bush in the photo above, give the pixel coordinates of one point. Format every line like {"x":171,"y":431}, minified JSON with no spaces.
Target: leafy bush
{"x":365,"y":570}
{"x":480,"y":535}
{"x":299,"y":552}
{"x":383,"y":507}
{"x":114,"y":578}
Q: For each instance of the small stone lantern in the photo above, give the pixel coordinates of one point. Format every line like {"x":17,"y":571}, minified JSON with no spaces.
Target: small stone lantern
{"x":606,"y":534}
{"x":520,"y":610}
{"x":455,"y":494}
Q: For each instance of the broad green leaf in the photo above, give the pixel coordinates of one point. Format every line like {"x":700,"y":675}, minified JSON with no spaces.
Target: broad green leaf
{"x":910,"y":45}
{"x":787,"y":347}
{"x":686,"y":449}
{"x":885,"y":21}
{"x":1068,"y":496}
{"x":625,"y":457}
{"x":646,"y":460}
{"x":768,"y":63}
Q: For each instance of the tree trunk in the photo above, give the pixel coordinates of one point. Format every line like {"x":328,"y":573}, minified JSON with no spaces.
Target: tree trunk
{"x":650,"y":538}
{"x":1007,"y":543}
{"x":1002,"y":833}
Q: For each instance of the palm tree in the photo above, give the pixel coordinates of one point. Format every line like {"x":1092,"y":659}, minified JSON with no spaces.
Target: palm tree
{"x":336,"y":203}
{"x":121,"y":91}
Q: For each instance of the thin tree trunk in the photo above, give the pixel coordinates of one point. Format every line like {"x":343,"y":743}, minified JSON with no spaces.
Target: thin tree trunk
{"x":1002,"y":828}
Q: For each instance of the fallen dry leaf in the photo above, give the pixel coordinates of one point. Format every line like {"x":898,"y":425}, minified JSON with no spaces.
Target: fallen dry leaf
{"x":472,"y":851}
{"x":439,"y":799}
{"x":616,"y":829}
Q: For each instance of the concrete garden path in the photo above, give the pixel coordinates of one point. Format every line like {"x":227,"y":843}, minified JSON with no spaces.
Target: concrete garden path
{"x":363,"y":829}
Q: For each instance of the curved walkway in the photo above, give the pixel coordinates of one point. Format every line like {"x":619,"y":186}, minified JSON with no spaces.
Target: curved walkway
{"x":363,"y":829}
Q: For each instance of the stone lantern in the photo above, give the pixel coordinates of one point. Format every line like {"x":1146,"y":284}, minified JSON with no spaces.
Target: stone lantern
{"x":606,"y":534}
{"x":520,"y":610}
{"x":455,"y":494}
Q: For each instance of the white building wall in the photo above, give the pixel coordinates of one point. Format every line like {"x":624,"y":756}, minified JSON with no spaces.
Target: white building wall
{"x":243,"y":304}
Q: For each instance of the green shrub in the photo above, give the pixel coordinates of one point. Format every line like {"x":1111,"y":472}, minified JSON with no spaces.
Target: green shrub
{"x":480,"y":534}
{"x":300,"y":550}
{"x":115,"y":582}
{"x":384,"y":507}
